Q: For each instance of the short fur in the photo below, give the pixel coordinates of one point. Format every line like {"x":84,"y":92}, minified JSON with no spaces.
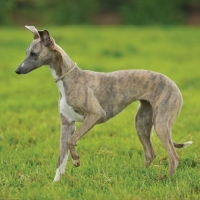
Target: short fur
{"x":94,"y":97}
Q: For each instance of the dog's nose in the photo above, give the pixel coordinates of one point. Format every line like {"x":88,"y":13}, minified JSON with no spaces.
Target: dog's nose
{"x":17,"y":70}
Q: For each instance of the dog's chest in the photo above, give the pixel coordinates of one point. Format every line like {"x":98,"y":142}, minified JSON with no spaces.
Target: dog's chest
{"x":64,"y":109}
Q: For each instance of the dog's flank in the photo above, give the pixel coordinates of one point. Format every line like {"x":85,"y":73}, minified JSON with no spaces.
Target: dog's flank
{"x":94,"y":97}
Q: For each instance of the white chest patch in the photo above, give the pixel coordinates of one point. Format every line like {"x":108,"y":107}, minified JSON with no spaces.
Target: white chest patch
{"x":64,"y":109}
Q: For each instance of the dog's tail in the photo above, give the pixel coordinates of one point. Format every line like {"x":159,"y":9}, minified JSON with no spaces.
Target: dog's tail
{"x":184,"y":145}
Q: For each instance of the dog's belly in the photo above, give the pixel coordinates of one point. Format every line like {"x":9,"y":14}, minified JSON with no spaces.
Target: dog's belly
{"x":112,"y":111}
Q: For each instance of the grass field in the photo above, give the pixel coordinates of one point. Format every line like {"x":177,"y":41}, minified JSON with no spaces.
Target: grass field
{"x":111,"y":154}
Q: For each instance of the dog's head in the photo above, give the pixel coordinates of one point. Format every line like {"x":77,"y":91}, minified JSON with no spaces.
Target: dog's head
{"x":39,"y":52}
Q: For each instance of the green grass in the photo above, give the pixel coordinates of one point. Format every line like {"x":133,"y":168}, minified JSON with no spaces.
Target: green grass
{"x":111,"y":154}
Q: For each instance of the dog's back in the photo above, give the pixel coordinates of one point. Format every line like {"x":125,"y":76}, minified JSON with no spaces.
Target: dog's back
{"x":116,"y":90}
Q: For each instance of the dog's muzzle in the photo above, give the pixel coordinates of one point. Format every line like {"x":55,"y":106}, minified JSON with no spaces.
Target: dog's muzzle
{"x":27,"y":66}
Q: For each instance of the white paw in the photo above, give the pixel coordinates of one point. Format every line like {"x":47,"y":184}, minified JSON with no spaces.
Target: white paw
{"x":57,"y":176}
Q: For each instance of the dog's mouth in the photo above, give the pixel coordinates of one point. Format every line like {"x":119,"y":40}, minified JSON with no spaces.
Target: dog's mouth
{"x":33,"y":69}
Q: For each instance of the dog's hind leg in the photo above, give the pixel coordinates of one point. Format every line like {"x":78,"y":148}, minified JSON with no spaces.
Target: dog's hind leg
{"x":143,"y":124}
{"x":67,"y":129}
{"x":163,"y":126}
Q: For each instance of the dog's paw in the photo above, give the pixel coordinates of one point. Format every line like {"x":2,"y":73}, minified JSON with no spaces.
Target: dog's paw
{"x":57,"y":177}
{"x":149,"y":160}
{"x":76,"y":162}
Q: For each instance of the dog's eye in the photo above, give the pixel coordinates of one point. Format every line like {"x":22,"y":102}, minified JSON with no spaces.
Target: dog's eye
{"x":33,"y":53}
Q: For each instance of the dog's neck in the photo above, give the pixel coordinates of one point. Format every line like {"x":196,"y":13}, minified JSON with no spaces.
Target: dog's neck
{"x":60,"y":63}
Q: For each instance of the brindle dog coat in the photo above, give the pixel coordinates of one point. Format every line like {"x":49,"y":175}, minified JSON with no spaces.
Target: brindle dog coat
{"x":94,"y":97}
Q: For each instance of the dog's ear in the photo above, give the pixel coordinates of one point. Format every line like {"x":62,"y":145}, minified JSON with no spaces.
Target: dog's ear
{"x":34,"y":31}
{"x":45,"y":38}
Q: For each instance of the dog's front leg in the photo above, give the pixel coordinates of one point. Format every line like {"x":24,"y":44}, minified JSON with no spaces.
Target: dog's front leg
{"x":89,"y":122}
{"x":67,"y":129}
{"x":94,"y":113}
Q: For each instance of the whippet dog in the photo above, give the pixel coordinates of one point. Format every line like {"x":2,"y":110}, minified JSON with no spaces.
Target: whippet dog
{"x":95,"y":97}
